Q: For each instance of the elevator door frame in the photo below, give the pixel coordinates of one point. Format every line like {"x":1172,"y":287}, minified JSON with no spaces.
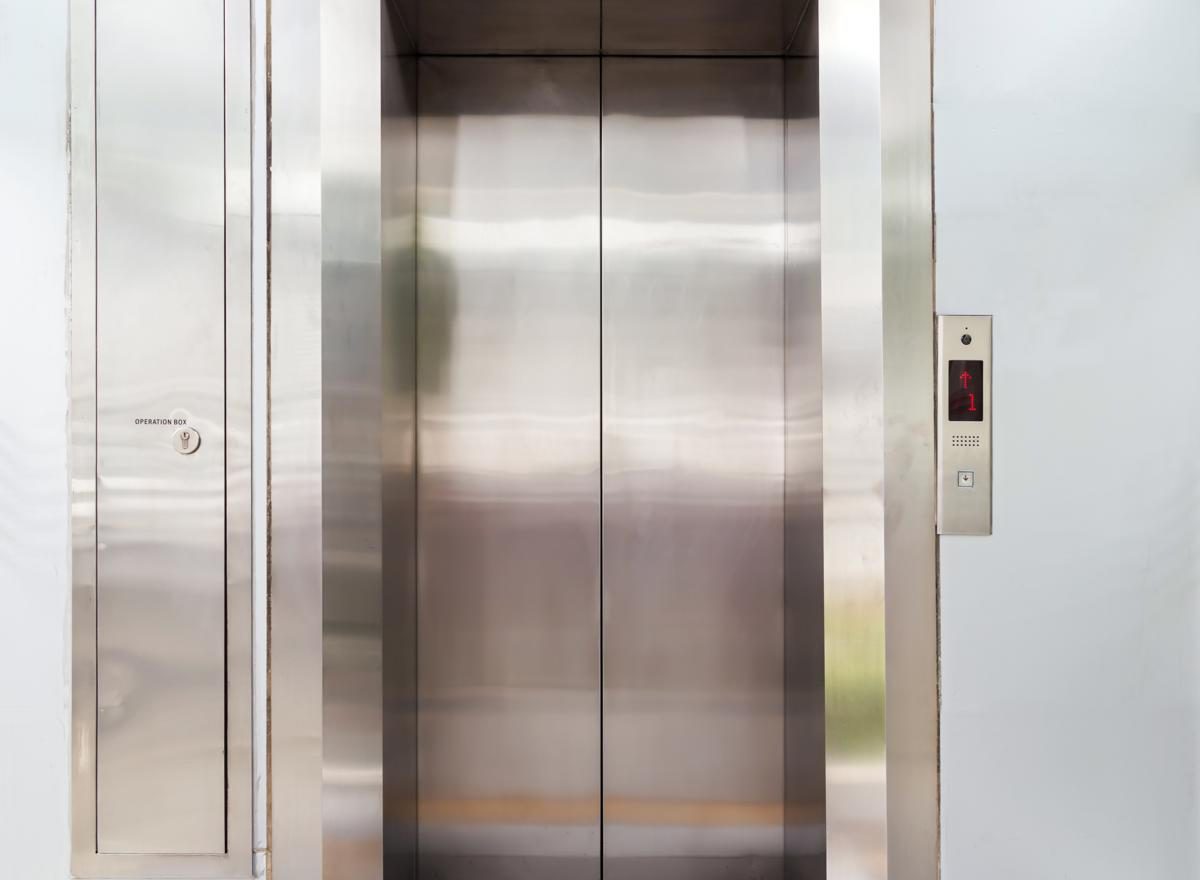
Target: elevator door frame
{"x":877,"y":279}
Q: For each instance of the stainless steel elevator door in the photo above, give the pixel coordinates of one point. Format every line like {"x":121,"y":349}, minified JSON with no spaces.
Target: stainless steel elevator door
{"x":693,"y":421}
{"x":610,"y":440}
{"x":508,"y":336}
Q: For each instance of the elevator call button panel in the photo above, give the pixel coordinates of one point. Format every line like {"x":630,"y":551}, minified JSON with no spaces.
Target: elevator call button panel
{"x":964,"y":425}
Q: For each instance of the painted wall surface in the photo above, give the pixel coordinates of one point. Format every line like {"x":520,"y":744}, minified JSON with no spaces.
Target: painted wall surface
{"x":1068,"y":204}
{"x":34,"y":537}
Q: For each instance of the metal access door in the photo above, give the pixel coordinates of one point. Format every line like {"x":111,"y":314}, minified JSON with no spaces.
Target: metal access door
{"x":161,"y":503}
{"x":602,"y":339}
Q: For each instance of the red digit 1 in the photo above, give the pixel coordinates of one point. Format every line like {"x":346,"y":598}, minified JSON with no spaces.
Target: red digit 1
{"x":971,"y":408}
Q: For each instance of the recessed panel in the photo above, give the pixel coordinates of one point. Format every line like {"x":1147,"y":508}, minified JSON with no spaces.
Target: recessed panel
{"x":615,"y":27}
{"x":535,"y":27}
{"x":161,"y":417}
{"x":508,"y":511}
{"x":695,"y":27}
{"x":693,"y":408}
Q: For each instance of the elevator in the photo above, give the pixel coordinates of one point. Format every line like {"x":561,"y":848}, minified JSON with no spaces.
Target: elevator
{"x":602,"y":539}
{"x":482,"y":459}
{"x":509,"y":483}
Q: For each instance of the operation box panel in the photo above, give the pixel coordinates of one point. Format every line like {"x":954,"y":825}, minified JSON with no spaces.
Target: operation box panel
{"x":161,"y":131}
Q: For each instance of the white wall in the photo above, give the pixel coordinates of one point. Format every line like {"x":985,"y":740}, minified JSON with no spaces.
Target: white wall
{"x":1068,"y":204}
{"x":34,"y":538}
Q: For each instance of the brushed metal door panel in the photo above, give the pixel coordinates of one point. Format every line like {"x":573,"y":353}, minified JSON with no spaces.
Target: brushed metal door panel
{"x":508,"y":334}
{"x":693,"y":468}
{"x":160,"y":360}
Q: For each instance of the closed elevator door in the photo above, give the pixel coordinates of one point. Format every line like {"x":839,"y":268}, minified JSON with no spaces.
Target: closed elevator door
{"x":693,"y":468}
{"x":508,"y":510}
{"x":601,"y":468}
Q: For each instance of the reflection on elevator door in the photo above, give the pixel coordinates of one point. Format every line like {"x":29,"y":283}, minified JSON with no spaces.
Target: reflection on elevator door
{"x":602,"y":488}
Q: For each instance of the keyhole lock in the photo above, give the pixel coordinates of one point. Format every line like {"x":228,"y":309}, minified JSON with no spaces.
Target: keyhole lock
{"x":186,"y":440}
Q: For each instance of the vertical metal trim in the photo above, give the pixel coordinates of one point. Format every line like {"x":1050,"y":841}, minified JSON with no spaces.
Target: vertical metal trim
{"x":82,"y":273}
{"x":239,"y":437}
{"x":910,"y":541}
{"x":851,"y":284}
{"x":351,"y":421}
{"x":259,"y":429}
{"x":296,"y":527}
{"x":879,"y":462}
{"x":238,"y":858}
{"x":416,"y":464}
{"x":600,"y":427}
{"x":804,"y":671}
{"x":398,"y":449}
{"x":326,"y":600}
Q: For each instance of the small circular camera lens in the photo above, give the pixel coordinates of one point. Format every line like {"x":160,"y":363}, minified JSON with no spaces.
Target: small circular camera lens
{"x":966,"y":339}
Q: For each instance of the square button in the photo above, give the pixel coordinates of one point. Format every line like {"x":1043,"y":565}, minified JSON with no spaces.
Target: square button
{"x":966,"y":479}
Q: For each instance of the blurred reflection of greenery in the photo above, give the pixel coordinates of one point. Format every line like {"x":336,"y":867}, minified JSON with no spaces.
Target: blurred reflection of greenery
{"x":854,"y":678}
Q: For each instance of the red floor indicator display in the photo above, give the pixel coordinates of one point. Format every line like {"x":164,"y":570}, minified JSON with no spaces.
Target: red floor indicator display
{"x":966,"y":391}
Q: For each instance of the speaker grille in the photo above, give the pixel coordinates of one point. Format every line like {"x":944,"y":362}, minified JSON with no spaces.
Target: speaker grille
{"x":965,"y":440}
